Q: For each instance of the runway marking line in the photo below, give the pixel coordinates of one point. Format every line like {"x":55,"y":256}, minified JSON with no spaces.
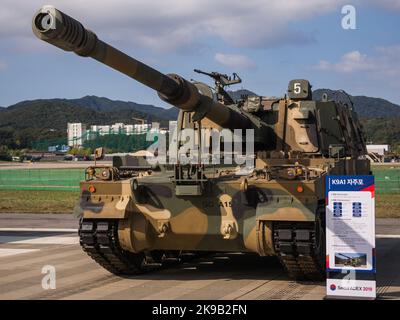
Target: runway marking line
{"x":46,"y":259}
{"x":36,"y":272}
{"x":387,"y":236}
{"x":63,"y":283}
{"x":39,"y":240}
{"x":12,"y":252}
{"x":39,"y":230}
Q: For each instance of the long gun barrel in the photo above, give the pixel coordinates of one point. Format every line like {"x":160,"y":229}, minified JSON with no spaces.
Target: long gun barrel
{"x":57,"y":28}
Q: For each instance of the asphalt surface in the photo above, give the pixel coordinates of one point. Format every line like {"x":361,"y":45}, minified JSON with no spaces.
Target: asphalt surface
{"x":29,"y":242}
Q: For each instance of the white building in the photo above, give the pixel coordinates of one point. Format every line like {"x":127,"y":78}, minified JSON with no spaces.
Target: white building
{"x":129,"y":129}
{"x":101,"y":130}
{"x":141,"y":128}
{"x":120,"y":128}
{"x":380,"y":149}
{"x":117,"y":128}
{"x":76,"y":133}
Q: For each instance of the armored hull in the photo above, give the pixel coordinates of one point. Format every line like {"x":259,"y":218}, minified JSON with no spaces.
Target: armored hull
{"x":267,"y":216}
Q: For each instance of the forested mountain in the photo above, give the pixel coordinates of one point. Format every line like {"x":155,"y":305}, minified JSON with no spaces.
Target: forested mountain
{"x":28,"y":121}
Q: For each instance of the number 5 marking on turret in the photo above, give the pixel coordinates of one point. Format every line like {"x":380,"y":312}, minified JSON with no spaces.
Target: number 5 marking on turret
{"x":297,"y":88}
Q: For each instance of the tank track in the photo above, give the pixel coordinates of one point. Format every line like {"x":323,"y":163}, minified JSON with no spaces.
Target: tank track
{"x":99,"y":239}
{"x":298,"y":251}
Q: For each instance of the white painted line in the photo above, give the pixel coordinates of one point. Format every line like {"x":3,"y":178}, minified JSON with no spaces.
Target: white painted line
{"x":39,"y":240}
{"x":12,"y":252}
{"x":38,"y":229}
{"x":388,"y":236}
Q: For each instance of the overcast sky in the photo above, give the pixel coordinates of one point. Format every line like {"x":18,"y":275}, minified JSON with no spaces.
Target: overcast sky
{"x":266,"y":42}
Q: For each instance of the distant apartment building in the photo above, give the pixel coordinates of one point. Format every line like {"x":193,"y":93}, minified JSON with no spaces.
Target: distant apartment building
{"x":120,"y":128}
{"x":139,"y":128}
{"x":117,"y":128}
{"x":100,"y":130}
{"x":76,"y":133}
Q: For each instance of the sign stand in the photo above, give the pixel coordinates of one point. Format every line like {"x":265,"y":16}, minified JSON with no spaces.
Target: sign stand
{"x":350,"y":237}
{"x":98,"y":154}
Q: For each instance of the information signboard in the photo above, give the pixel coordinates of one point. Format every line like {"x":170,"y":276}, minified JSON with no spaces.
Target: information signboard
{"x":350,"y":236}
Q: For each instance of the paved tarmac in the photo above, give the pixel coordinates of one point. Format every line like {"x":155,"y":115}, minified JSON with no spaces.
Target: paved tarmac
{"x":29,"y":242}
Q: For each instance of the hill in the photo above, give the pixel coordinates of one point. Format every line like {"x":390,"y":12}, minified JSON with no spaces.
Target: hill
{"x":101,"y":104}
{"x":28,"y":121}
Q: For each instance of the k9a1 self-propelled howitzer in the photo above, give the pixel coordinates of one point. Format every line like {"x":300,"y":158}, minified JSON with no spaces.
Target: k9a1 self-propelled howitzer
{"x":132,"y":219}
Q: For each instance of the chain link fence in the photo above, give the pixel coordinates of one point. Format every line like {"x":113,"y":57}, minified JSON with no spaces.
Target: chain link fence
{"x":41,"y":179}
{"x":115,"y":142}
{"x":387,"y":180}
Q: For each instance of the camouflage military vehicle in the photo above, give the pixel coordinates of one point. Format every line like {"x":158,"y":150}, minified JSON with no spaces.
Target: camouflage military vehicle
{"x":132,"y":218}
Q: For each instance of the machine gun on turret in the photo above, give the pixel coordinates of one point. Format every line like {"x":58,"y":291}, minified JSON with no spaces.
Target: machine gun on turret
{"x":221,"y":81}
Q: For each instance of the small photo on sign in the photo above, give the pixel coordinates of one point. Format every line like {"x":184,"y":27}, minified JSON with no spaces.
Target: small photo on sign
{"x":355,"y":260}
{"x":337,"y":209}
{"x":357,"y":209}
